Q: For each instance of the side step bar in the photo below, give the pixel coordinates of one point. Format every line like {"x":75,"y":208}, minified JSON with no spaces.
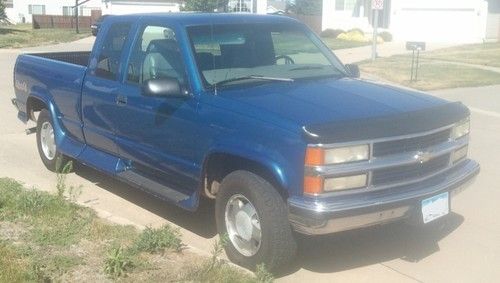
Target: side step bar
{"x":152,"y":186}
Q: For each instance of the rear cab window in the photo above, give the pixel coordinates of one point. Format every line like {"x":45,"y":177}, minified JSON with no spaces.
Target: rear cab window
{"x":108,"y":60}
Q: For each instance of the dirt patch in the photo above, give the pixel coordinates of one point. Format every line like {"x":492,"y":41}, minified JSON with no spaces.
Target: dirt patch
{"x":12,"y":232}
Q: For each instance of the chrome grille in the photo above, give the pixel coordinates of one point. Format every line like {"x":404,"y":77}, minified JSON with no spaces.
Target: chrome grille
{"x":398,"y":160}
{"x":409,"y":172}
{"x":410,"y":144}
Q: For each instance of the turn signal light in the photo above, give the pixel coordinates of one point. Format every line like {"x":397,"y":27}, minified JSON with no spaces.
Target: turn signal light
{"x":313,"y":185}
{"x":315,"y":156}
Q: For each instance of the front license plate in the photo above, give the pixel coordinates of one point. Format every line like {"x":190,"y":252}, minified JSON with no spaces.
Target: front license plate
{"x":435,"y":207}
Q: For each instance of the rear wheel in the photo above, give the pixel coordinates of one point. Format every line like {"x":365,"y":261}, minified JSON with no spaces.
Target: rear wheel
{"x":254,"y":217}
{"x":45,"y":138}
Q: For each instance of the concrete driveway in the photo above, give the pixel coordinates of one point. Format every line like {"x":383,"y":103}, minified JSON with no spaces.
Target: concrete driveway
{"x":463,"y":248}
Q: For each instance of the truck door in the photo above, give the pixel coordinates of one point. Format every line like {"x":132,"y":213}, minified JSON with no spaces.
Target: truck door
{"x":101,"y":88}
{"x":158,"y":135}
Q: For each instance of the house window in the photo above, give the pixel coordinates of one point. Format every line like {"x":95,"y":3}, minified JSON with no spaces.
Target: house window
{"x":345,"y":5}
{"x":87,"y":11}
{"x":68,"y":11}
{"x":36,"y":9}
{"x":494,"y":6}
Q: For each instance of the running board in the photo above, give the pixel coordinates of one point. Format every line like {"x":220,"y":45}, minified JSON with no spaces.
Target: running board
{"x":152,"y":186}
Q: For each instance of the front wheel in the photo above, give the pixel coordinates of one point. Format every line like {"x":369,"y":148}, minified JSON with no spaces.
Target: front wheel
{"x":46,"y":142}
{"x":254,"y":217}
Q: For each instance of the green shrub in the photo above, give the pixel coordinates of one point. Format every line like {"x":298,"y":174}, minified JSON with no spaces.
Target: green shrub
{"x":386,"y":36}
{"x":156,"y":240}
{"x":262,"y":275}
{"x":117,"y":263}
{"x":331,"y":33}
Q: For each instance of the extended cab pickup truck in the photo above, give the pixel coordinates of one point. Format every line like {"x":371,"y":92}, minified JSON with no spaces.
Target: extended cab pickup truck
{"x":254,"y":112}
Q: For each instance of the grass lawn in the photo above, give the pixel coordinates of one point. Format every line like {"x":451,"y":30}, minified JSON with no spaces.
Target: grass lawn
{"x":335,"y":43}
{"x":487,"y":54}
{"x":22,"y":35}
{"x":432,"y":75}
{"x":47,"y":238}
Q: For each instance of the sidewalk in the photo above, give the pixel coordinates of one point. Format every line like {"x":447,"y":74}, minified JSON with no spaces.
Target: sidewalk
{"x":387,"y":49}
{"x":84,"y":44}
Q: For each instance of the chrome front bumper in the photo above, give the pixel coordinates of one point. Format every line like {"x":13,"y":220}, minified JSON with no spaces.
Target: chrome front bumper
{"x":315,"y":216}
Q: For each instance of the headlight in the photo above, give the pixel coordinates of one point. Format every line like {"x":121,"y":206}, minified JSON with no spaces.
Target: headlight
{"x":347,"y":154}
{"x":346,"y":182}
{"x":320,"y":156}
{"x":461,"y":129}
{"x":316,"y":185}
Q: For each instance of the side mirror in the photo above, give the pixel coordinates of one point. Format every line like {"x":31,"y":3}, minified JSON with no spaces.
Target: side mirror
{"x":353,"y":69}
{"x":164,"y":87}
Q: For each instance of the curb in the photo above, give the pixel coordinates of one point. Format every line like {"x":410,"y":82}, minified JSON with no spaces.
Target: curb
{"x":123,"y":221}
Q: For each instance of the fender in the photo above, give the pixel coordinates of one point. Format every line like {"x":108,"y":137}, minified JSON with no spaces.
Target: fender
{"x":65,"y":144}
{"x":270,"y":160}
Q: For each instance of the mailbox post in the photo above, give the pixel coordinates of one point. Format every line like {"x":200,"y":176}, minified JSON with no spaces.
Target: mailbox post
{"x":415,"y":46}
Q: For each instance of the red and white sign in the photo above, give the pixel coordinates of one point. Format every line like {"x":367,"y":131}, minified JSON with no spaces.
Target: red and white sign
{"x":377,"y":4}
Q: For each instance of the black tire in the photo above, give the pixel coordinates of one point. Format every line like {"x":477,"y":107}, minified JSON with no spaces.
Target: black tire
{"x":59,"y":160}
{"x":277,"y":245}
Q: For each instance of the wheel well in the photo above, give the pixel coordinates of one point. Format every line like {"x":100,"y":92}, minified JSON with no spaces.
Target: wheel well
{"x":34,"y":105}
{"x":219,"y":165}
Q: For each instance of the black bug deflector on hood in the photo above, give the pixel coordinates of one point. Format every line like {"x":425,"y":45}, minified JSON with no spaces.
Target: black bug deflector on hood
{"x":387,"y":126}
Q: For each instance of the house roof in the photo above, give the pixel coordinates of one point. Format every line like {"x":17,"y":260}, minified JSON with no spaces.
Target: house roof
{"x":215,"y":18}
{"x":148,"y":1}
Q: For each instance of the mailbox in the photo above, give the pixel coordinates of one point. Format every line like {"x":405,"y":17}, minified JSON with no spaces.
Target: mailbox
{"x":415,"y":45}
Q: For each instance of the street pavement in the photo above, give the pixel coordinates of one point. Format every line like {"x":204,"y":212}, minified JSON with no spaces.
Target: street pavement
{"x":464,"y":247}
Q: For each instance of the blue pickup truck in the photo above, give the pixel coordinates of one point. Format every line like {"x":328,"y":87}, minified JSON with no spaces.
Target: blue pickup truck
{"x":254,"y":112}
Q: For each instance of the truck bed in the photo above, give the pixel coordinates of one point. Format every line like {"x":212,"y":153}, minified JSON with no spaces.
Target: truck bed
{"x":54,"y":77}
{"x":78,"y":58}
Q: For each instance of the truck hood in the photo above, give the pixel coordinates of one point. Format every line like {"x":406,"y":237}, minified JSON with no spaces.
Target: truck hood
{"x":330,"y":106}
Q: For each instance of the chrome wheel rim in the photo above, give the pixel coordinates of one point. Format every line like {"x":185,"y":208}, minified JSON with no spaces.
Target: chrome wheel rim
{"x":48,"y":141}
{"x":243,"y":225}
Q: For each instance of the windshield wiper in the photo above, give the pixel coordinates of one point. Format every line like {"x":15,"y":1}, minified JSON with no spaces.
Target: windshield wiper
{"x":306,"y":68}
{"x":254,"y":77}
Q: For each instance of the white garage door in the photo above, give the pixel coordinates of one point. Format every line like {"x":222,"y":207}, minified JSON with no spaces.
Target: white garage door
{"x":493,"y":27}
{"x":439,"y":20}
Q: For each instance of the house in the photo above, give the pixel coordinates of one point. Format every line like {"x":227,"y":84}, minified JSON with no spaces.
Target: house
{"x":121,"y":7}
{"x":276,"y":6}
{"x":493,"y":21}
{"x":410,"y":20}
{"x":251,"y":6}
{"x":20,"y":11}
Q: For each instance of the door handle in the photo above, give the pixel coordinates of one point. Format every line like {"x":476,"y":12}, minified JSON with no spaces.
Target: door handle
{"x":121,"y":100}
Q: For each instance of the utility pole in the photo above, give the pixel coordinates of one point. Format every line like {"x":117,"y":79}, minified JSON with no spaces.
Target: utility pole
{"x":77,"y":5}
{"x":76,"y":16}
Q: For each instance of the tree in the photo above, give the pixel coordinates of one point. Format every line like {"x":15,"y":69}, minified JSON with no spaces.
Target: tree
{"x":3,"y":16}
{"x":206,"y":5}
{"x":305,"y":7}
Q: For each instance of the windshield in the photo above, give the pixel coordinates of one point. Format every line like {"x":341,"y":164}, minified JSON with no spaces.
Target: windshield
{"x":243,"y":53}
